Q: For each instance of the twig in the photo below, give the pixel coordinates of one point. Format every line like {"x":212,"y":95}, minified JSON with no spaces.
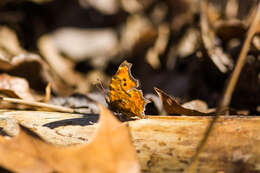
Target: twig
{"x":241,"y":60}
{"x":229,"y":90}
{"x":38,"y":104}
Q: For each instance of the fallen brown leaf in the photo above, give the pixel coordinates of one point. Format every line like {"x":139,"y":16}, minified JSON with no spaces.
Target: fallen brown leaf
{"x":15,"y":87}
{"x":21,"y":153}
{"x":104,"y":6}
{"x":198,"y":105}
{"x":221,"y":59}
{"x":152,"y":56}
{"x":16,"y":61}
{"x":87,"y":43}
{"x":104,"y":153}
{"x":9,"y":42}
{"x":172,"y":107}
{"x":137,"y":32}
{"x":60,"y":65}
{"x":29,"y":66}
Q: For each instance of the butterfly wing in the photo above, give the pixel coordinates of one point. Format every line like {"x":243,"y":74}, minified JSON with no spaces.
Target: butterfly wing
{"x":124,"y":97}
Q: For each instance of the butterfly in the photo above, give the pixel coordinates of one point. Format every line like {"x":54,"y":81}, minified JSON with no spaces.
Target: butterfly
{"x":123,"y":96}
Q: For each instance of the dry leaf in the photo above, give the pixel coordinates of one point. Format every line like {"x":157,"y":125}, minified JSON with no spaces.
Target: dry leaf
{"x":15,"y":87}
{"x":152,"y":56}
{"x":107,"y":7}
{"x":31,"y":67}
{"x":9,"y":42}
{"x":198,"y":105}
{"x":104,"y":153}
{"x":63,"y":67}
{"x":222,"y":60}
{"x":138,"y":30}
{"x":87,"y":43}
{"x":135,"y":6}
{"x":187,"y":45}
{"x":172,"y":107}
{"x":20,"y":154}
{"x":16,"y":61}
{"x":256,"y":41}
{"x":182,"y":13}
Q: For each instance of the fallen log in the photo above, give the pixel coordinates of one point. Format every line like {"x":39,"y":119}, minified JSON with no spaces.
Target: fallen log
{"x":163,"y":143}
{"x":166,"y":144}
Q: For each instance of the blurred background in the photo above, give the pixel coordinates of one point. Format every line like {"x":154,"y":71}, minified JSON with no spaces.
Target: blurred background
{"x":188,"y":48}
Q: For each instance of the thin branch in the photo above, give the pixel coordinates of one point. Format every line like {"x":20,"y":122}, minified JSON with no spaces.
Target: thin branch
{"x":38,"y":104}
{"x":241,"y":60}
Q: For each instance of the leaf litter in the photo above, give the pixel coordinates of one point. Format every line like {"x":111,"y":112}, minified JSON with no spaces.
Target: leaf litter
{"x":162,"y":39}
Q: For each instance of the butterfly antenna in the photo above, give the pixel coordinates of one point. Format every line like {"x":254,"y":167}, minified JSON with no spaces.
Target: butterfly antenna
{"x":100,"y":86}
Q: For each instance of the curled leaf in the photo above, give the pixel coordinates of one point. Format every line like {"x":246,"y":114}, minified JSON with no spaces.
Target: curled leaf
{"x":172,"y":107}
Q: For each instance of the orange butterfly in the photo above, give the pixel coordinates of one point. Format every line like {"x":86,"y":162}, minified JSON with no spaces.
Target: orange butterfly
{"x":124,"y":97}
